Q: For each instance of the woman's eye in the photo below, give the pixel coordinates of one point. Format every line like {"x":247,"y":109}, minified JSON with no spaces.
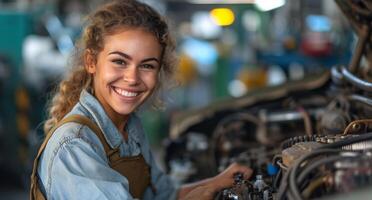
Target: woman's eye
{"x":148,"y":66}
{"x":119,"y":62}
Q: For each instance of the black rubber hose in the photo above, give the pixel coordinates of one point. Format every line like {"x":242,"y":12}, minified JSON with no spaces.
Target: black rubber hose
{"x":328,"y":148}
{"x":277,"y":178}
{"x":305,"y":171}
{"x":289,"y":178}
{"x":348,"y":141}
{"x":283,"y":186}
{"x":293,"y":172}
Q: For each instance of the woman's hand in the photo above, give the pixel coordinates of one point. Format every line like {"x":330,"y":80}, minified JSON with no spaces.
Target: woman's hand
{"x":226,"y":178}
{"x":207,"y":188}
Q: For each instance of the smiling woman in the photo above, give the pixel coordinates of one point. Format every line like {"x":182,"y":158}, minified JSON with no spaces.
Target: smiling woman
{"x":125,"y":75}
{"x":95,"y":146}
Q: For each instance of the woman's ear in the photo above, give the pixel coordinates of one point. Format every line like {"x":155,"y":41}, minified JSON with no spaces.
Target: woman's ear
{"x":90,"y":61}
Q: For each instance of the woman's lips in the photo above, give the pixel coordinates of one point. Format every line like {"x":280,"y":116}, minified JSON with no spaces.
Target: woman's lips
{"x":125,"y":93}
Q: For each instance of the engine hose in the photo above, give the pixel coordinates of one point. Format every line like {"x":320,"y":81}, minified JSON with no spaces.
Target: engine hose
{"x":361,"y":99}
{"x":293,"y":171}
{"x":357,"y":82}
{"x":306,"y":171}
{"x":313,"y":186}
{"x":336,"y":75}
{"x":352,"y":140}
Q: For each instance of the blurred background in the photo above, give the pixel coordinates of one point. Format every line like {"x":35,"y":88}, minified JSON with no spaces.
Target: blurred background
{"x":226,"y":47}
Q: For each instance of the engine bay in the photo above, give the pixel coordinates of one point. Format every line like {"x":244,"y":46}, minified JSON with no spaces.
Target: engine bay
{"x":305,"y":139}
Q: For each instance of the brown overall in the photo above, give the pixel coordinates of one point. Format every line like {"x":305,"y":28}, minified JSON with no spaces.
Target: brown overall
{"x":134,"y":168}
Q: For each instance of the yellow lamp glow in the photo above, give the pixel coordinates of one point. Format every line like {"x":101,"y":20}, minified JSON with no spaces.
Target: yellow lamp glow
{"x":222,"y":16}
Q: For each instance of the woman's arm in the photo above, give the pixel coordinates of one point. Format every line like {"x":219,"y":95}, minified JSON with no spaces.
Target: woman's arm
{"x":207,"y":188}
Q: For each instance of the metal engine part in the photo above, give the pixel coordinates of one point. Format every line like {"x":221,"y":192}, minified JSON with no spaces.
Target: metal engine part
{"x":243,"y":189}
{"x":291,"y":154}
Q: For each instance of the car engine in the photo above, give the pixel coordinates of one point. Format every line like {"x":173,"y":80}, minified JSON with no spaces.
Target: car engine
{"x":305,"y":139}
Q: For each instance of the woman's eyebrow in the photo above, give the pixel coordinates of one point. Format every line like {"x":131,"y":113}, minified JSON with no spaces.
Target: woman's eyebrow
{"x":130,"y":58}
{"x":151,"y":59}
{"x":121,"y":54}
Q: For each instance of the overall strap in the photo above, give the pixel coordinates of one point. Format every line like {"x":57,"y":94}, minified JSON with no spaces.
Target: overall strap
{"x":139,"y":181}
{"x":80,"y":119}
{"x":35,"y":192}
{"x":122,"y":165}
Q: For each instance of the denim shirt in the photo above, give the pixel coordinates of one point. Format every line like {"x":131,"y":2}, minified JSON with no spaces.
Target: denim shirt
{"x":74,"y":164}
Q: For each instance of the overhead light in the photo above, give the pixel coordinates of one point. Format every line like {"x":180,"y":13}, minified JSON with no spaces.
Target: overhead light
{"x":266,"y":5}
{"x":222,"y":16}
{"x":221,"y":1}
{"x":263,"y":5}
{"x":203,"y":26}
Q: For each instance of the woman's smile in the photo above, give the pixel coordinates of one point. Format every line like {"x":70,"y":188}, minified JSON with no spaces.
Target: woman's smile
{"x":125,"y":93}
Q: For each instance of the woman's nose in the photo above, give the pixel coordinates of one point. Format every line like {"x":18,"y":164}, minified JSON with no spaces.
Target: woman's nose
{"x":131,"y":75}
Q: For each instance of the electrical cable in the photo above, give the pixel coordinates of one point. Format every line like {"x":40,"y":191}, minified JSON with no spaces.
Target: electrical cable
{"x":293,"y":172}
{"x":281,"y":165}
{"x":324,"y":149}
{"x":283,"y":186}
{"x":321,"y":150}
{"x":284,"y":182}
{"x":289,"y":178}
{"x":277,"y":178}
{"x":305,"y":171}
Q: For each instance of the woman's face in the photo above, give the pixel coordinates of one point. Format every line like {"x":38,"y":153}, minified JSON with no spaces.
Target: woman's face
{"x":126,"y":70}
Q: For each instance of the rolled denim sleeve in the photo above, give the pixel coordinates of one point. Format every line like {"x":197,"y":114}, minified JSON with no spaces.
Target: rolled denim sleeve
{"x":80,"y":172}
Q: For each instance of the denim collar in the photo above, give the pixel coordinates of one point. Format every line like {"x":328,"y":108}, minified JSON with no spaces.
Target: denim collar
{"x":111,"y":133}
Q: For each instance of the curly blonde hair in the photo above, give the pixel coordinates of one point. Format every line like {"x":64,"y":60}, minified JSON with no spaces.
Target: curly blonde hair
{"x":102,"y":22}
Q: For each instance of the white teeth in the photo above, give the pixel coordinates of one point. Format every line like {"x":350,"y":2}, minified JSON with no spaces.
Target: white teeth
{"x":125,"y":93}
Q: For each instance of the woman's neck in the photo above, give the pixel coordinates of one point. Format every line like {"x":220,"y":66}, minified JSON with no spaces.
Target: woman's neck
{"x":120,"y":123}
{"x":119,"y":120}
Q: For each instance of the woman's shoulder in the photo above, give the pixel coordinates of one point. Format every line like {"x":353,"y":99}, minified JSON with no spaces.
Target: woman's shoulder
{"x":72,"y":134}
{"x":70,"y":144}
{"x":74,"y":131}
